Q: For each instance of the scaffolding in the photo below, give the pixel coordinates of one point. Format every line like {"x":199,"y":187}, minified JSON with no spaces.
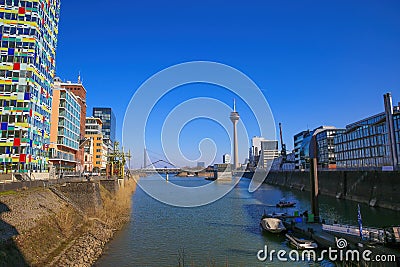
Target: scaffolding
{"x":116,"y":161}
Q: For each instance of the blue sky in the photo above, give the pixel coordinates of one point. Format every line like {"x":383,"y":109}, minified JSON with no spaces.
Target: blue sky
{"x":317,"y":62}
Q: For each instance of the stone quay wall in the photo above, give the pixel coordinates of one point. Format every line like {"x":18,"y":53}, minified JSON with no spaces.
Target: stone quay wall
{"x":376,"y":188}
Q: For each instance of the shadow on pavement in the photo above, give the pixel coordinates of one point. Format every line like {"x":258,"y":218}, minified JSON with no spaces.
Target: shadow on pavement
{"x":9,"y":252}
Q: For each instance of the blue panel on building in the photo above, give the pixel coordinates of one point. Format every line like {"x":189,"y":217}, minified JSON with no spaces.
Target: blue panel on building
{"x":4,"y":126}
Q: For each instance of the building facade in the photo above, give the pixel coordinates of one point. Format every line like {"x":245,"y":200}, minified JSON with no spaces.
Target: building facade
{"x":65,"y":130}
{"x":28,"y":41}
{"x":324,"y":136}
{"x":96,"y":146}
{"x":326,"y":147}
{"x":109,"y":122}
{"x":88,"y":150}
{"x":269,"y":152}
{"x":80,"y":92}
{"x":255,"y":149}
{"x":281,"y":164}
{"x":298,"y":140}
{"x":371,"y":143}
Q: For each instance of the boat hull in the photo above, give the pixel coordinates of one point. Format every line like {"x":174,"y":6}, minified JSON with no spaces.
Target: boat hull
{"x":272,"y":225}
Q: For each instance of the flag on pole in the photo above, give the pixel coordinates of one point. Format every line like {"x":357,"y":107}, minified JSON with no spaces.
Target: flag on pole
{"x":359,"y":221}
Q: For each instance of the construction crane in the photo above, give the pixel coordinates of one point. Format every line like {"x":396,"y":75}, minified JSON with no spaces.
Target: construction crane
{"x":116,"y":161}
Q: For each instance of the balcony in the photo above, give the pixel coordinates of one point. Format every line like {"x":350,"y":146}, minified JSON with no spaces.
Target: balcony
{"x":62,"y":156}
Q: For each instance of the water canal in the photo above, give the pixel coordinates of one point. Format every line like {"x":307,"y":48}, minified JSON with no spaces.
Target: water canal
{"x":224,"y":232}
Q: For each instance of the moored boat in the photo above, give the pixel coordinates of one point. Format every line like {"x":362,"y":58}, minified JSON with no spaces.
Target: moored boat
{"x":285,"y":204}
{"x":300,"y":243}
{"x":272,"y":225}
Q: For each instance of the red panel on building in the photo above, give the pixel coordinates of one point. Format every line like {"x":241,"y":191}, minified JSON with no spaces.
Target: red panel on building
{"x":21,"y":10}
{"x":22,"y":157}
{"x":17,"y":66}
{"x":17,"y":141}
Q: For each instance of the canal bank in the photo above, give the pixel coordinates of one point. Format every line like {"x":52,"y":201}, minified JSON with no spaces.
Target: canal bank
{"x":65,"y":225}
{"x":375,"y":188}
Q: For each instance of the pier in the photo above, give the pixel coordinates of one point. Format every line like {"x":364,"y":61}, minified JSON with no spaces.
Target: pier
{"x":327,"y":239}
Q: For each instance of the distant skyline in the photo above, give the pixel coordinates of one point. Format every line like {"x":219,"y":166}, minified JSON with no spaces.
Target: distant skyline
{"x":317,"y":62}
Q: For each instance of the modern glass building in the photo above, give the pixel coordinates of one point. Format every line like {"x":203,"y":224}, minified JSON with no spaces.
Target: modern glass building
{"x":364,"y":144}
{"x":298,"y":141}
{"x":28,"y":41}
{"x":109,"y":122}
{"x":326,"y":147}
{"x":372,"y":142}
{"x":65,"y":130}
{"x":80,"y":92}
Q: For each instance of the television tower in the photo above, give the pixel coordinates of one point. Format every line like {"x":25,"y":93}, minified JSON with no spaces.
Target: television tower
{"x":235,"y":118}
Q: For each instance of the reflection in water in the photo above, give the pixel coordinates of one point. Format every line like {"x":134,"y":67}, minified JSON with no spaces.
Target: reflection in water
{"x":226,"y":231}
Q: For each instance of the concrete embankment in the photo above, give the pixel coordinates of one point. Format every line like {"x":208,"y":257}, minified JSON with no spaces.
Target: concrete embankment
{"x":376,"y":188}
{"x":64,"y":225}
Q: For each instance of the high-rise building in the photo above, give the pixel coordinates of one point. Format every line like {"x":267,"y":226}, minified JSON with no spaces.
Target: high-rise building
{"x":28,"y":41}
{"x":80,"y":92}
{"x":235,"y":118}
{"x":109,"y":122}
{"x":64,"y":131}
{"x":226,"y":158}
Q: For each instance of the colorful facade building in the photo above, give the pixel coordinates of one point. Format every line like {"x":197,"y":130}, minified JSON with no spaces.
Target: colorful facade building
{"x":28,"y":41}
{"x":80,"y":92}
{"x":65,"y":130}
{"x":96,"y":146}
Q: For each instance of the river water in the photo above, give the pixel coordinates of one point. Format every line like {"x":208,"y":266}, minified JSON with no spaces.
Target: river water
{"x":222,"y":233}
